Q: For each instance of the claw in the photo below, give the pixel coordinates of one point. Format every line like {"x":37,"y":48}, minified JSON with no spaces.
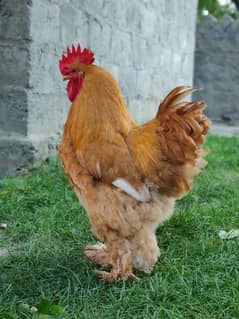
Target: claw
{"x":106,"y":277}
{"x":130,"y":276}
{"x":110,"y":277}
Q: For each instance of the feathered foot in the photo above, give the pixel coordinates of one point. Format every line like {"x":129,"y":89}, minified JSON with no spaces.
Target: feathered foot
{"x":121,"y":268}
{"x":98,"y":254}
{"x":110,"y":277}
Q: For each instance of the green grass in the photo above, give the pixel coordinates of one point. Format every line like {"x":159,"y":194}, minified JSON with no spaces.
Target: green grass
{"x":196,"y":277}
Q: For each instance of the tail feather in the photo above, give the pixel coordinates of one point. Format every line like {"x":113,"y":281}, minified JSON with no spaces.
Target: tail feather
{"x":170,"y":103}
{"x":183,"y":130}
{"x":168,"y":149}
{"x":185,"y":119}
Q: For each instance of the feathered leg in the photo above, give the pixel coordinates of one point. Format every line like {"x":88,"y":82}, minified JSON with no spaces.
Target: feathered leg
{"x":140,"y":251}
{"x":145,"y":248}
{"x":98,"y":253}
{"x":121,"y":261}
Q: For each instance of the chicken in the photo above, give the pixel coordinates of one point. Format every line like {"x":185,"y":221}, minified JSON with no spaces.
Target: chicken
{"x":126,"y":176}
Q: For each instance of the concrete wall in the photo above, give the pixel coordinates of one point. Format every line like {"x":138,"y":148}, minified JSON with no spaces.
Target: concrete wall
{"x":15,"y":149}
{"x":217,"y":66}
{"x":148,"y":45}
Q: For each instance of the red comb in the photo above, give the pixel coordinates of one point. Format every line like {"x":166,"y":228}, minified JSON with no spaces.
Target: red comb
{"x":75,"y":55}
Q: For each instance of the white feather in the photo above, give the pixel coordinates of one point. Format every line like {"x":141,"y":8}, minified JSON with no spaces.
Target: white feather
{"x":142,"y":196}
{"x":98,"y":169}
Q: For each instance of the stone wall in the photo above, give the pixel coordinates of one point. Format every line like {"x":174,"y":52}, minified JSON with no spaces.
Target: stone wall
{"x":14,"y":85}
{"x":148,"y":45}
{"x":217,"y":67}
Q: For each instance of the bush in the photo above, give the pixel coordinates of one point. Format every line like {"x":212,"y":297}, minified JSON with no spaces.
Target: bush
{"x":216,"y":9}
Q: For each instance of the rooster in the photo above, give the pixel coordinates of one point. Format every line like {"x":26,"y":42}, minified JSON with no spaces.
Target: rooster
{"x":127,"y":176}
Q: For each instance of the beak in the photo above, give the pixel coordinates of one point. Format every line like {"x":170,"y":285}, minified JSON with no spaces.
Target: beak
{"x":65,"y":77}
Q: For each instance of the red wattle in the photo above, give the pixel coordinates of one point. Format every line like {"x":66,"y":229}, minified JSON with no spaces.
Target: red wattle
{"x":73,"y":87}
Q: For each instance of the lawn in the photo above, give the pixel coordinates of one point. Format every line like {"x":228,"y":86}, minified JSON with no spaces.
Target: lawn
{"x":196,"y":277}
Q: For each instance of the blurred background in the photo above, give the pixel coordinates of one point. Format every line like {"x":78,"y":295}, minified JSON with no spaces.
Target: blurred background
{"x":150,"y":46}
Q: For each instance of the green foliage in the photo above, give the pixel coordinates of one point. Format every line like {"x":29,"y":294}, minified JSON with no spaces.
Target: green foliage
{"x":6,"y":316}
{"x":45,"y":310}
{"x":215,"y":9}
{"x":197,"y":275}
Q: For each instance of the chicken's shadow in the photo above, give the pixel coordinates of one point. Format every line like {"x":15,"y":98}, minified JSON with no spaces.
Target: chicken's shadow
{"x":178,"y":228}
